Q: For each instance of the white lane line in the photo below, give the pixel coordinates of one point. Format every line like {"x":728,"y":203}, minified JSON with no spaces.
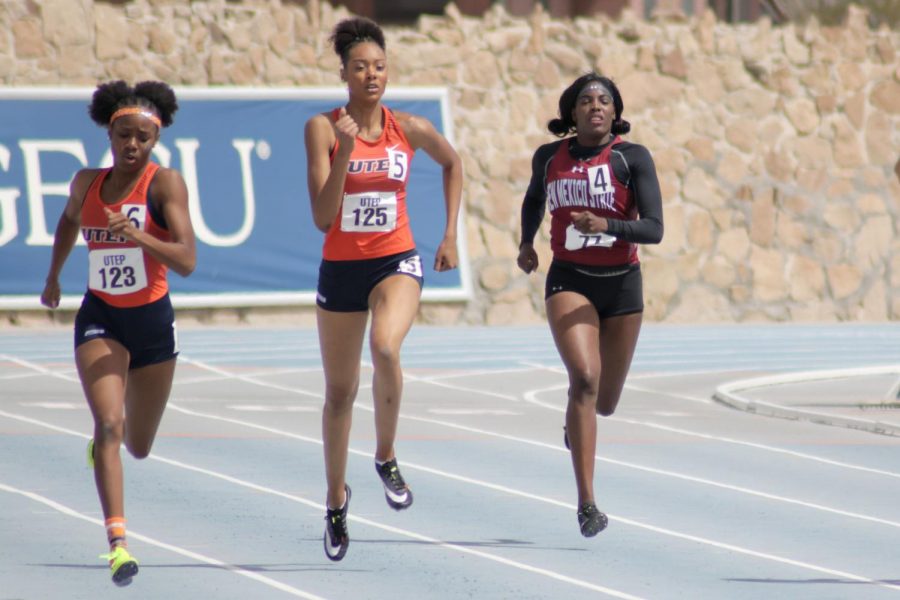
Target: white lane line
{"x":196,"y":379}
{"x":532,"y":442}
{"x":758,"y":446}
{"x":246,"y":378}
{"x":273,"y":408}
{"x":672,"y":474}
{"x":531,"y":398}
{"x":649,"y":424}
{"x":472,"y":373}
{"x":630,"y":386}
{"x":473,"y":412}
{"x":450,"y":386}
{"x":14,"y":376}
{"x":70,"y":512}
{"x":321,"y":507}
{"x":34,"y":367}
{"x":61,"y":405}
{"x":546,"y":500}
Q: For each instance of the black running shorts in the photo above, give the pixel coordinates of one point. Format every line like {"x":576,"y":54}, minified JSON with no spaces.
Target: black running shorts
{"x":147,"y":332}
{"x":345,"y":285}
{"x":614,"y":291}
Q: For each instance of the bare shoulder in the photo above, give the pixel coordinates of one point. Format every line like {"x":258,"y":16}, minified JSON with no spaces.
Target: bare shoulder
{"x":83,"y":180}
{"x":413,"y":123}
{"x":166,"y":176}
{"x":320,"y":128}
{"x":167,"y":185}
{"x":418,"y":130}
{"x":319,"y":121}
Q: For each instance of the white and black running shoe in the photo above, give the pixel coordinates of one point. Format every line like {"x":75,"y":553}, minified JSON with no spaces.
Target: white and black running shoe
{"x":337,"y":540}
{"x":591,"y":520}
{"x":396,"y":492}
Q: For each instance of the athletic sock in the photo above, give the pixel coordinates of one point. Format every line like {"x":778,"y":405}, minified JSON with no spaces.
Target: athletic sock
{"x":115,"y":531}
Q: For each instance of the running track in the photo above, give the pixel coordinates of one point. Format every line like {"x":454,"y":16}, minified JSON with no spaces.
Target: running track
{"x":705,"y":501}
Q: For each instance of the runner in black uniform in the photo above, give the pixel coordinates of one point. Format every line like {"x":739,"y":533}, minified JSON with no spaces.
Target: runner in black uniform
{"x":604,"y":199}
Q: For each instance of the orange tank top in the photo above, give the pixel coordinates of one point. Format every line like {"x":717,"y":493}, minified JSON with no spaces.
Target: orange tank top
{"x":120,"y":272}
{"x":372,"y":221}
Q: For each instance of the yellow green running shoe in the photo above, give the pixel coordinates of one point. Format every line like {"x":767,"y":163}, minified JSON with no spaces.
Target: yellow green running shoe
{"x":90,"y":453}
{"x":122,"y":565}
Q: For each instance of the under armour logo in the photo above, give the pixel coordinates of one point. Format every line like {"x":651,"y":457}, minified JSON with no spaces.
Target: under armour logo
{"x":578,"y":169}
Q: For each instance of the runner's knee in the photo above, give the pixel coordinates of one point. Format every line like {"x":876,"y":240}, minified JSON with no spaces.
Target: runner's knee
{"x":109,"y":431}
{"x":385,"y":355}
{"x":582,"y":385}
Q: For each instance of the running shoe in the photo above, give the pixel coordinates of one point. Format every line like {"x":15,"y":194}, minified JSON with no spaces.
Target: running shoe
{"x":591,"y":520}
{"x":122,"y":565}
{"x":396,"y":492}
{"x":337,"y":540}
{"x":90,"y":453}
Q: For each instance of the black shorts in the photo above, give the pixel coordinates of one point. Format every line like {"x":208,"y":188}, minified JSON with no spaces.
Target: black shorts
{"x":147,"y":332}
{"x":614,"y":291}
{"x":345,"y":285}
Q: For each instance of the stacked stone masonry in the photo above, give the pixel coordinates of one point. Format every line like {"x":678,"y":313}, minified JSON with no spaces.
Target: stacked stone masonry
{"x":778,"y":148}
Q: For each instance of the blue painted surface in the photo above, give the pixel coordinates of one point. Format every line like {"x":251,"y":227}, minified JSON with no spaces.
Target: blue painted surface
{"x":721,"y":504}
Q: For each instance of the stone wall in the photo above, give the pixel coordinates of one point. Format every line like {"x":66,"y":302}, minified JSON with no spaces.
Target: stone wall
{"x":777,"y":148}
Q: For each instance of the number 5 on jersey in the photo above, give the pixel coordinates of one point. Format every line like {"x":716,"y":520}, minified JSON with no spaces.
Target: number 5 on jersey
{"x":398,"y":164}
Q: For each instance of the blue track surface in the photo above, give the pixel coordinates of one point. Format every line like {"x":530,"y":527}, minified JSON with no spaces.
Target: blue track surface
{"x":704,"y":501}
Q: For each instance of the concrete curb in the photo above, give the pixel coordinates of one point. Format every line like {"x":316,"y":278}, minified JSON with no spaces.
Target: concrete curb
{"x":728,"y":394}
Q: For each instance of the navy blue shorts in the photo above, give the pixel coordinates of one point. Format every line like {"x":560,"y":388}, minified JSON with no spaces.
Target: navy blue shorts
{"x":147,"y":332}
{"x":345,"y":285}
{"x":614,"y":291}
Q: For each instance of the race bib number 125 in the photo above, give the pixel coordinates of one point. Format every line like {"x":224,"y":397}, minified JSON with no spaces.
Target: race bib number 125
{"x":369,"y":212}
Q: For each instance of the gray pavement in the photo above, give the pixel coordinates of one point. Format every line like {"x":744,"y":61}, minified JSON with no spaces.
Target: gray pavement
{"x":864,"y":398}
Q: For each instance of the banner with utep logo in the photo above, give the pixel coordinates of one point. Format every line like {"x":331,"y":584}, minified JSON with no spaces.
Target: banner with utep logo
{"x":242,"y":156}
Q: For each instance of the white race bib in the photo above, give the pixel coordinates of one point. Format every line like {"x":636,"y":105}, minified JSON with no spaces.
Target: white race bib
{"x":575,"y":240}
{"x":117,"y":271}
{"x":369,"y":212}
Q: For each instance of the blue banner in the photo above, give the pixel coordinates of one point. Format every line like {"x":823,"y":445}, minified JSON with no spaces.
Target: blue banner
{"x":242,"y":155}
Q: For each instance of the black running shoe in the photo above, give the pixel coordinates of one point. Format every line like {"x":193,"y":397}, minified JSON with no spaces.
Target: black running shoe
{"x":396,"y":492}
{"x":337,"y":540}
{"x":591,"y":520}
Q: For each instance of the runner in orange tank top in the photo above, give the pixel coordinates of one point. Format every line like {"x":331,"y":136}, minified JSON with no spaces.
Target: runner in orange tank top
{"x":358,"y":161}
{"x":376,"y":175}
{"x":134,"y":218}
{"x":123,"y":285}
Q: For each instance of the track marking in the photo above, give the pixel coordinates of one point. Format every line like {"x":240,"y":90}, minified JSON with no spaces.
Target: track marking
{"x":473,"y":411}
{"x":530,"y":397}
{"x":546,"y":500}
{"x":514,"y":438}
{"x":272,"y":408}
{"x":70,"y":512}
{"x":321,"y":508}
{"x":629,"y":386}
